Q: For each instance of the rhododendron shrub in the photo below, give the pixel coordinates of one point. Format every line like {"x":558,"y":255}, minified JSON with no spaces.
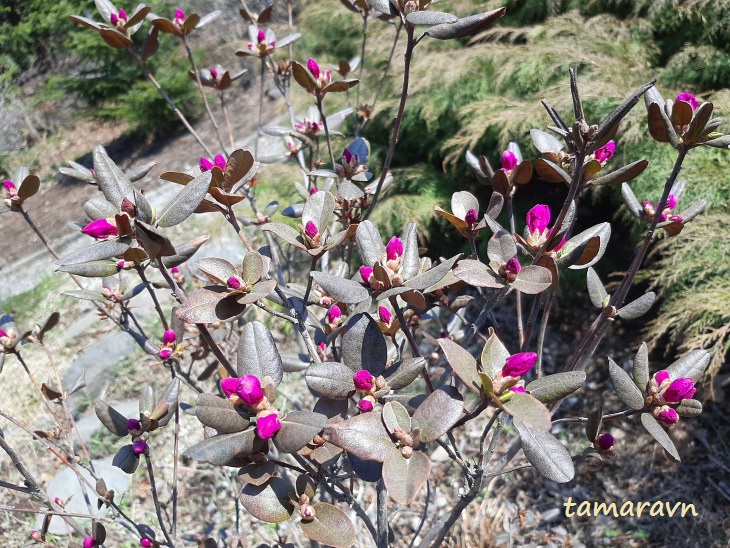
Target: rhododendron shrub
{"x":399,"y":357}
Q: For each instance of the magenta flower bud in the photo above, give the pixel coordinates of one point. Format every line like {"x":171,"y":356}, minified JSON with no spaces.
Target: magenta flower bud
{"x":334,"y":314}
{"x":519,"y":364}
{"x":214,"y":74}
{"x":313,"y":68}
{"x":59,"y":501}
{"x":233,"y":283}
{"x":675,"y":218}
{"x":681,"y":389}
{"x":365,"y":405}
{"x":605,"y":153}
{"x":394,"y":249}
{"x":472,"y":216}
{"x":384,"y":315}
{"x":123,"y":14}
{"x":322,"y":347}
{"x":114,"y":19}
{"x":205,"y":164}
{"x":538,"y":218}
{"x":363,"y":380}
{"x":249,"y":390}
{"x":347,"y":155}
{"x":229,"y":385}
{"x":89,"y":542}
{"x":518,"y":389}
{"x":261,"y":37}
{"x":169,"y":337}
{"x":133,"y":424}
{"x":365,"y":273}
{"x":36,"y":536}
{"x":688,"y":98}
{"x":175,"y":270}
{"x":165,"y":354}
{"x":3,"y":333}
{"x":220,"y":161}
{"x":145,"y":543}
{"x":661,"y":376}
{"x":509,"y":160}
{"x":139,"y":447}
{"x":312,"y":191}
{"x":668,"y":416}
{"x":179,"y":14}
{"x":671,"y":201}
{"x":267,"y":426}
{"x":311,"y":229}
{"x":513,"y":266}
{"x":99,"y":229}
{"x":10,"y":187}
{"x":605,"y":441}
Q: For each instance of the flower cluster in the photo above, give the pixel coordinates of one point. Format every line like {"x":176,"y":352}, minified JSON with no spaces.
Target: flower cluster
{"x":605,"y":153}
{"x":168,"y":344}
{"x":247,"y":391}
{"x":118,"y":20}
{"x":393,"y":252}
{"x":367,"y":385}
{"x":350,"y":165}
{"x":649,"y":210}
{"x":206,"y":165}
{"x":265,"y":43}
{"x":666,"y":394}
{"x":308,"y":127}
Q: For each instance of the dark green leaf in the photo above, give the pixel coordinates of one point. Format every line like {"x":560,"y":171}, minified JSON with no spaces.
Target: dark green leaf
{"x":220,"y":414}
{"x":221,"y":449}
{"x":363,"y":435}
{"x":297,"y":430}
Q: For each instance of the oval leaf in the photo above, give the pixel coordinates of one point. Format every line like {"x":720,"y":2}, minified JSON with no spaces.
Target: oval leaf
{"x":624,"y":386}
{"x":549,"y":457}
{"x":403,"y":477}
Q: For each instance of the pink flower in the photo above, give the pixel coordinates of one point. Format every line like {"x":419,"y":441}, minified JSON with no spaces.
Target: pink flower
{"x":123,"y":14}
{"x":688,"y":98}
{"x":538,"y":218}
{"x":519,"y":364}
{"x":267,"y":426}
{"x":311,"y":229}
{"x":605,"y":441}
{"x":561,"y":243}
{"x":261,"y":36}
{"x":365,"y":405}
{"x":133,"y":424}
{"x":334,"y":314}
{"x":139,"y":447}
{"x":671,"y":201}
{"x":10,"y":188}
{"x":205,"y":164}
{"x":517,"y":389}
{"x":513,"y":266}
{"x":661,"y":376}
{"x":169,"y":337}
{"x":348,"y":156}
{"x":365,"y":273}
{"x":363,"y":380}
{"x":89,"y":542}
{"x":100,"y":229}
{"x":179,"y":19}
{"x":384,"y":315}
{"x":394,"y":249}
{"x":220,"y":161}
{"x":233,"y":283}
{"x":667,"y":415}
{"x":313,"y":68}
{"x":605,"y":153}
{"x":114,"y":19}
{"x":471,"y":217}
{"x":165,"y":354}
{"x":679,"y":390}
{"x":36,"y":536}
{"x":509,"y":161}
{"x":229,"y":385}
{"x":249,"y":390}
{"x":145,"y":543}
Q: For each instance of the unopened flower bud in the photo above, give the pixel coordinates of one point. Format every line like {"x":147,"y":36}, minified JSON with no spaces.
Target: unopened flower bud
{"x":667,"y":415}
{"x":205,"y":164}
{"x":220,"y":162}
{"x":261,"y":36}
{"x":229,"y":385}
{"x":538,"y":218}
{"x":509,"y":161}
{"x":311,"y":229}
{"x":365,"y":273}
{"x":165,"y":354}
{"x":134,"y":425}
{"x":519,"y":364}
{"x":334,"y":315}
{"x":89,"y":542}
{"x":308,"y":512}
{"x":36,"y":536}
{"x":312,"y":190}
{"x":661,"y":376}
{"x":679,"y":390}
{"x":179,"y":19}
{"x":99,"y":229}
{"x":394,"y":249}
{"x":10,"y":188}
{"x":59,"y":501}
{"x":517,"y":389}
{"x":233,"y":283}
{"x":145,"y":543}
{"x":365,"y":405}
{"x":688,"y":98}
{"x":513,"y":266}
{"x":384,"y":315}
{"x":139,"y":447}
{"x":471,"y":217}
{"x":267,"y":426}
{"x":406,"y":451}
{"x":313,"y":68}
{"x":671,"y":201}
{"x":249,"y":390}
{"x":169,"y":337}
{"x":363,"y":380}
{"x":605,"y":441}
